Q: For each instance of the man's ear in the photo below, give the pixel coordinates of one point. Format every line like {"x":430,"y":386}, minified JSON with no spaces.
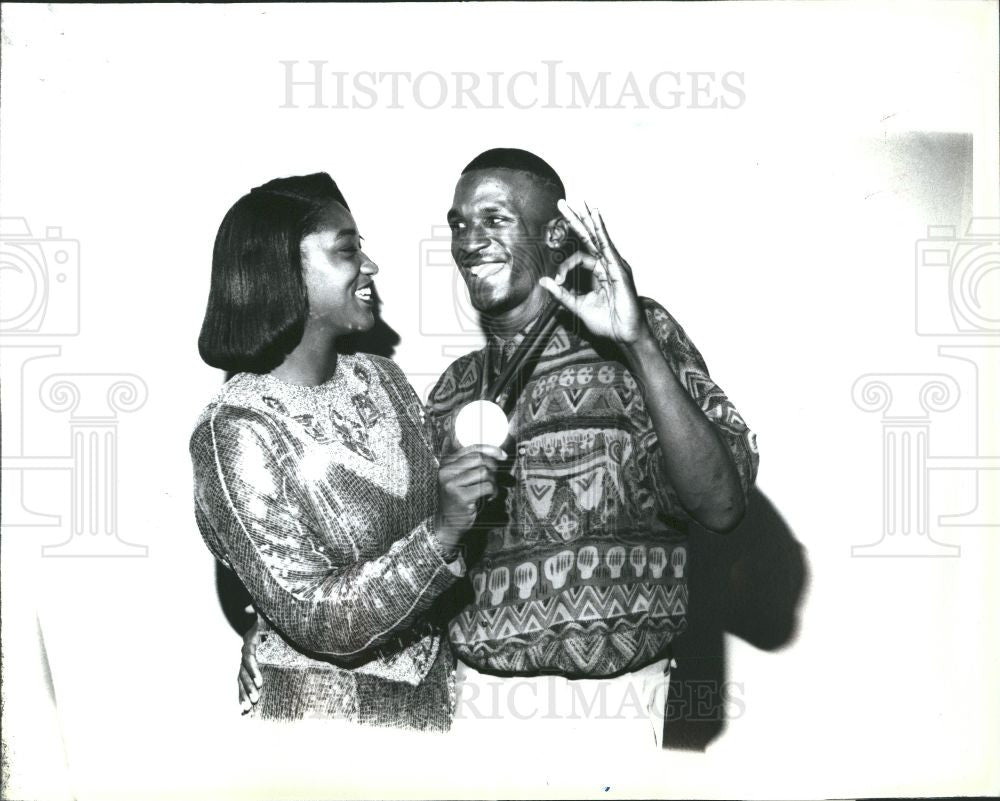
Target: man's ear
{"x":556,"y":232}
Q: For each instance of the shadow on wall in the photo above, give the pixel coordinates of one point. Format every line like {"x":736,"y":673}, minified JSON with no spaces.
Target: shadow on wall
{"x":748,"y":583}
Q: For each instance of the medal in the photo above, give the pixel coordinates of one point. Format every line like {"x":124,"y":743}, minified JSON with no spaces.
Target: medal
{"x":483,"y":421}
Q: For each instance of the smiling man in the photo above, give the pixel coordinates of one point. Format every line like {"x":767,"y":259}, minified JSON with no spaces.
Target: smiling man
{"x":621,"y":438}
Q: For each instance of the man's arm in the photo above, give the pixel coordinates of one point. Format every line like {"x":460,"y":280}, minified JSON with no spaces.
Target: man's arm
{"x":697,"y":461}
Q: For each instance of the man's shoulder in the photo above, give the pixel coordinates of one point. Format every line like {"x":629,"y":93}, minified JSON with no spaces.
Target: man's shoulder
{"x":458,"y":379}
{"x":657,"y":315}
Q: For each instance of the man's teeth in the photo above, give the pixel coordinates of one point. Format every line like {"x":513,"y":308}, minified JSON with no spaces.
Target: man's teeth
{"x":486,"y":269}
{"x":365,"y":294}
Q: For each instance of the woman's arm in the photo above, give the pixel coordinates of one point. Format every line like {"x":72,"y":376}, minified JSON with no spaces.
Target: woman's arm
{"x":251,"y":512}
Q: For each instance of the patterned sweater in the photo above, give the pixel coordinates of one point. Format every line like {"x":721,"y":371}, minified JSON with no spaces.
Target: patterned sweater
{"x":582,"y":569}
{"x":321,"y":500}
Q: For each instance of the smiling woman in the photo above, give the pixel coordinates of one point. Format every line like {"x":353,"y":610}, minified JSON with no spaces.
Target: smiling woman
{"x":315,"y":476}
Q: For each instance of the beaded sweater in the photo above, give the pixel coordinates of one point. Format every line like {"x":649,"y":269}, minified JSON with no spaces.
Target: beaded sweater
{"x":582,"y":570}
{"x":321,"y":499}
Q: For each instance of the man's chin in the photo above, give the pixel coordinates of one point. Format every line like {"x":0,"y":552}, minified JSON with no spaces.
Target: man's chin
{"x":491,"y":300}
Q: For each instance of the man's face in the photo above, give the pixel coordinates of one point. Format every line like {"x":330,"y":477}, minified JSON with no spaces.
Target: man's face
{"x":498,"y":237}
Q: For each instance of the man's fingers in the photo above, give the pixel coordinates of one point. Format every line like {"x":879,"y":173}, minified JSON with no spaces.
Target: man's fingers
{"x":577,"y":259}
{"x":566,"y":298}
{"x":601,"y":232}
{"x":579,"y":227}
{"x":618,"y":268}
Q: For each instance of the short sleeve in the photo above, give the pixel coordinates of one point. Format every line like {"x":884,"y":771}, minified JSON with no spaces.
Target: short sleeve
{"x":691,"y":370}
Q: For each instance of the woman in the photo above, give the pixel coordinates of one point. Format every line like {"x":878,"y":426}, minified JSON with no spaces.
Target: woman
{"x":315,"y":477}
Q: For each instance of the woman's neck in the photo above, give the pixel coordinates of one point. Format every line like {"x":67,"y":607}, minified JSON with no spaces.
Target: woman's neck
{"x":311,"y":363}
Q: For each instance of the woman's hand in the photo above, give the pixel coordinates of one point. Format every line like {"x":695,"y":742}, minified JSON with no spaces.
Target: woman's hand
{"x":250,"y":679}
{"x":464,"y":477}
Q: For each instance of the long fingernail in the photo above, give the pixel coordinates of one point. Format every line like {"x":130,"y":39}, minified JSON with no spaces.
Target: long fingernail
{"x":258,"y":681}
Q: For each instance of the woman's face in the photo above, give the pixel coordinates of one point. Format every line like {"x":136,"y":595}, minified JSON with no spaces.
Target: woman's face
{"x":339,"y":277}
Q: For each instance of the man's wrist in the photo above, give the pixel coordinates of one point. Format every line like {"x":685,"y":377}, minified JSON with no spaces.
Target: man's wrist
{"x":644,"y":347}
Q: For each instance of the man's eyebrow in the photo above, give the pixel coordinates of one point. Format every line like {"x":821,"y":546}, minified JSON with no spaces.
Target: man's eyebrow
{"x":453,"y":214}
{"x":346,"y":232}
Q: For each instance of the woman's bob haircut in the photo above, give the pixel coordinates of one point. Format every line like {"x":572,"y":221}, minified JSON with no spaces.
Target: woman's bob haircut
{"x":257,"y":303}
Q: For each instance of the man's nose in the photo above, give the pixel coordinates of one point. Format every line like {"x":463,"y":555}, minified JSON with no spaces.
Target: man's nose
{"x":473,"y":239}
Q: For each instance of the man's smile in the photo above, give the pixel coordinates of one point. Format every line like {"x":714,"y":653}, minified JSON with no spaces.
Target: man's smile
{"x":487,"y":269}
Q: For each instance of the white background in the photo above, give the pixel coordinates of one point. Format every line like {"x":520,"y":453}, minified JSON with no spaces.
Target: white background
{"x":781,"y":234}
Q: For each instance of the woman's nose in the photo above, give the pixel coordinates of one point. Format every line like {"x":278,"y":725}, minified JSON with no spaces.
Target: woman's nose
{"x":369,"y":267}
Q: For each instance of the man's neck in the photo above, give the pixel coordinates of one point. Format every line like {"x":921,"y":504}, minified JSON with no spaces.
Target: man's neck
{"x":509,"y":324}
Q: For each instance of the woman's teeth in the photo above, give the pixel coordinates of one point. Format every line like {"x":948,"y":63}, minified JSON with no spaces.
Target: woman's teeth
{"x":364,"y":294}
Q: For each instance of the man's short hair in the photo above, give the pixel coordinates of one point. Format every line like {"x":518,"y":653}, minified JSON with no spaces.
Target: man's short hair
{"x":511,"y":158}
{"x":257,"y":302}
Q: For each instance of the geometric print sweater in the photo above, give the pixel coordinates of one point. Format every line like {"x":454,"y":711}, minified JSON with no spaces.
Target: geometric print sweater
{"x":580,"y":568}
{"x":321,"y":500}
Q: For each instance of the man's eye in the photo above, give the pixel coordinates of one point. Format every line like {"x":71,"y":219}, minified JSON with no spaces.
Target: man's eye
{"x":456,"y":226}
{"x":492,"y":221}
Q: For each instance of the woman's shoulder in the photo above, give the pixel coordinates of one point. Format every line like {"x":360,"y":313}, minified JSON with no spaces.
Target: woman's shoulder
{"x":243,"y":402}
{"x":384,"y":368}
{"x":379,"y":363}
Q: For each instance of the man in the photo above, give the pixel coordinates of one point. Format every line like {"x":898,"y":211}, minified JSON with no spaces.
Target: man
{"x":620,"y":436}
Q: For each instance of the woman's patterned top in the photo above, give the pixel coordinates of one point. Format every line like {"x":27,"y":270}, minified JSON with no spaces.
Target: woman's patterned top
{"x":321,"y":499}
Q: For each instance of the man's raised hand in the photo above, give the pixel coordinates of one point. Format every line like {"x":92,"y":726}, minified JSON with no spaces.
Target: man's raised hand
{"x":611,"y":309}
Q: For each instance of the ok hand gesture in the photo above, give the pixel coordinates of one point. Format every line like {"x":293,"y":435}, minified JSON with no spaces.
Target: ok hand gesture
{"x":611,"y":309}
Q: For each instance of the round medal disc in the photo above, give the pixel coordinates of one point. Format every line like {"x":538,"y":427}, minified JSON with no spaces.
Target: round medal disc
{"x":481,"y":422}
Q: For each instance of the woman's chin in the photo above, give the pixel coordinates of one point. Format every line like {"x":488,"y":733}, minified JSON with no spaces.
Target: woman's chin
{"x":366,"y":322}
